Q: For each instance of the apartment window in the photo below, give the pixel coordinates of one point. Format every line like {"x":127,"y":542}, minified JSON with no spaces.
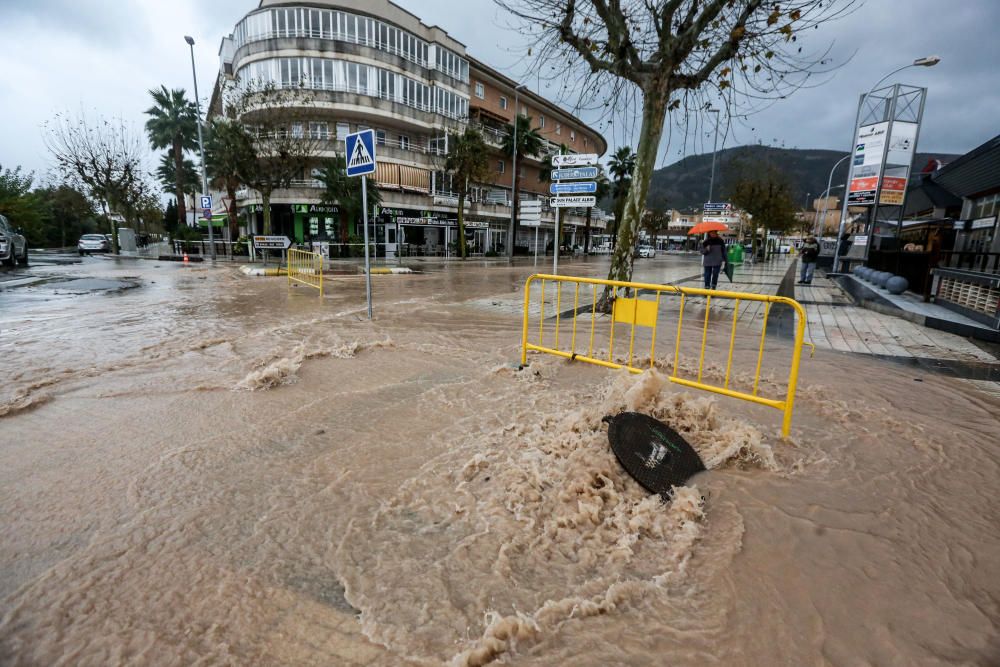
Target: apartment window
{"x":297,"y":132}
{"x":524,"y":110}
{"x":541,"y":121}
{"x":572,"y":135}
{"x":558,"y":128}
{"x":503,"y":102}
{"x":319,"y":131}
{"x":380,"y":137}
{"x":500,"y":166}
{"x":480,"y":91}
{"x":404,"y":142}
{"x":343,"y":129}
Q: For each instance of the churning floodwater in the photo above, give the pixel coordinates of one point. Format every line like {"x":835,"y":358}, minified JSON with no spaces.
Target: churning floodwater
{"x":209,"y":469}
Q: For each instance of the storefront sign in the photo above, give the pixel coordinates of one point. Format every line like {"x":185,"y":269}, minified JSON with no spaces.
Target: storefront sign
{"x":869,"y":150}
{"x":898,"y":157}
{"x":983,"y":223}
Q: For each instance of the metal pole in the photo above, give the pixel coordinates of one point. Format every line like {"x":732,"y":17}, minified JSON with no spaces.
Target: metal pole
{"x":902,"y":204}
{"x":715,"y":147}
{"x":881,"y":173}
{"x":368,"y":266}
{"x":555,"y":246}
{"x":201,"y":146}
{"x":829,"y":183}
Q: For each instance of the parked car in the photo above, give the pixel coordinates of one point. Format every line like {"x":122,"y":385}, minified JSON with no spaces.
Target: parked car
{"x":89,"y":243}
{"x":647,"y":251}
{"x":13,"y":245}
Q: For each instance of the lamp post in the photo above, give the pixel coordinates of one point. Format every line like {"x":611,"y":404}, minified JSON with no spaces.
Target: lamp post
{"x":513,"y":178}
{"x":820,"y":222}
{"x":715,"y":147}
{"x":201,"y":144}
{"x":829,"y":181}
{"x":926,"y":61}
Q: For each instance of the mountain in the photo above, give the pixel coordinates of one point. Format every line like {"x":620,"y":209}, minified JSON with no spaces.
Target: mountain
{"x":684,"y":184}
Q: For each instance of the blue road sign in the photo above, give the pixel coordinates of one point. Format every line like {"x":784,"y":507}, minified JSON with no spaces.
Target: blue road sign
{"x":573,"y":188}
{"x":206,"y":201}
{"x":361,"y":153}
{"x":574,"y":174}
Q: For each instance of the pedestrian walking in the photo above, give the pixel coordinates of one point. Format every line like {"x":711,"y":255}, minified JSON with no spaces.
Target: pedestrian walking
{"x":713,"y":251}
{"x":808,"y":255}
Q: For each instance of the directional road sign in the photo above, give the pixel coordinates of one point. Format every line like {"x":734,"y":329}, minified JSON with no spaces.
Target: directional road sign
{"x":573,"y":202}
{"x":574,"y":160}
{"x":271,"y":242}
{"x":361,"y":153}
{"x":574,"y":174}
{"x":572,"y":188}
{"x":206,"y":201}
{"x":717,"y":206}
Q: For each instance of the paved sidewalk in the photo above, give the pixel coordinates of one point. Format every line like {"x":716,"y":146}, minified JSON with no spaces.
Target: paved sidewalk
{"x":835,"y":323}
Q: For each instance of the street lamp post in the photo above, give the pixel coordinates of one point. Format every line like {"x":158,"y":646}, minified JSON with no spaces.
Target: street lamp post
{"x":820,"y":222}
{"x":926,"y":61}
{"x":201,"y":144}
{"x":715,"y":148}
{"x":818,"y":230}
{"x":513,"y":179}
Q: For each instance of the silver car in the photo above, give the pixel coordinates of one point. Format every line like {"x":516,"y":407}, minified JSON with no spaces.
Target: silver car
{"x":13,"y":246}
{"x":93,"y":243}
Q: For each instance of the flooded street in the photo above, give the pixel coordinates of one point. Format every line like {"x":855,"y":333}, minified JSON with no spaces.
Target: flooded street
{"x":197,"y":467}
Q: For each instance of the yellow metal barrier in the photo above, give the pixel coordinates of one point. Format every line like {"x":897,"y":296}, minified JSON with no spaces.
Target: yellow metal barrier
{"x":630,"y":309}
{"x":306,"y":268}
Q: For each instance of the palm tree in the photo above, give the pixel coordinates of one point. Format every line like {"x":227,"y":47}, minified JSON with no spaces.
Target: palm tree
{"x":529,"y":142}
{"x":228,"y":148}
{"x":468,"y":161}
{"x":166,"y":174}
{"x":173,"y":124}
{"x":621,"y":165}
{"x":603,"y":188}
{"x":345,"y":192}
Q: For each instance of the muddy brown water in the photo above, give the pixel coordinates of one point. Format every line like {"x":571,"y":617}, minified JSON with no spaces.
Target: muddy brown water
{"x":214,"y":470}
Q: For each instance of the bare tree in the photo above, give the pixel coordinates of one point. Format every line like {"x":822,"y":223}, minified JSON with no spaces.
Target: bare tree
{"x":665,"y":56}
{"x":102,"y":157}
{"x":278,"y":146}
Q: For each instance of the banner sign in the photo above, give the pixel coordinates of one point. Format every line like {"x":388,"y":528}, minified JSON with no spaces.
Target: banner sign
{"x":897,"y":163}
{"x":869,"y":150}
{"x":271,"y":242}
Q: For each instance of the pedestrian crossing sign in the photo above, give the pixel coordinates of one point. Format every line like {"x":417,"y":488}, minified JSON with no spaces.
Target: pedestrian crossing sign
{"x":361,"y":153}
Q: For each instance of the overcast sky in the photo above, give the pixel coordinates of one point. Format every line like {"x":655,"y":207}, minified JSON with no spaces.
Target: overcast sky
{"x":102,"y":56}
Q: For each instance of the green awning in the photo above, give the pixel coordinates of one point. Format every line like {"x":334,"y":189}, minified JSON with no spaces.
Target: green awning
{"x":217,"y":221}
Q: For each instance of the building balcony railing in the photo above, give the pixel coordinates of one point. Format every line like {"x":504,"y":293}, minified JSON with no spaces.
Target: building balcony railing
{"x":334,"y":35}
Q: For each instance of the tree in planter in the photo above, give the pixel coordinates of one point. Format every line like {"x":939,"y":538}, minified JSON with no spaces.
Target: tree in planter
{"x":529,"y":142}
{"x":468,"y":161}
{"x":660,"y":56}
{"x":173,"y":124}
{"x":102,"y":158}
{"x":345,"y":192}
{"x":227,"y":148}
{"x":763,"y":192}
{"x":621,"y":165}
{"x":278,"y":148}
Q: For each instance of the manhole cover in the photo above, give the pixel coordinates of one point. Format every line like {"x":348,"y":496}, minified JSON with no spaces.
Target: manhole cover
{"x":653,"y":453}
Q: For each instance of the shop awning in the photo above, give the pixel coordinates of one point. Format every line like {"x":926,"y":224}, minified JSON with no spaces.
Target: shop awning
{"x":387,"y":175}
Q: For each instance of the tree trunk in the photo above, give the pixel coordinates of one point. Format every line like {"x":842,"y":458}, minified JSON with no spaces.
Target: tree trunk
{"x":179,"y":184}
{"x":231,"y":213}
{"x":586,"y":234}
{"x":461,"y":223}
{"x":654,"y":106}
{"x":515,"y":204}
{"x":265,"y":199}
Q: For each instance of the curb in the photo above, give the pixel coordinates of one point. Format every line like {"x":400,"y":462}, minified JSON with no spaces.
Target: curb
{"x":254,"y":271}
{"x":384,"y":270}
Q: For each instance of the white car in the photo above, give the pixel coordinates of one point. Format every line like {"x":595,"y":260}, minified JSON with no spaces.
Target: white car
{"x":89,"y":243}
{"x":13,"y":246}
{"x":647,"y":251}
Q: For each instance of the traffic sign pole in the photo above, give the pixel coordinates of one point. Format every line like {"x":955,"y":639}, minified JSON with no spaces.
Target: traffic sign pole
{"x":368,"y":266}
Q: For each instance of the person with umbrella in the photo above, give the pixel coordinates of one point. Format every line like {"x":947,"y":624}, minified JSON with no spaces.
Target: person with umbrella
{"x":713,"y":252}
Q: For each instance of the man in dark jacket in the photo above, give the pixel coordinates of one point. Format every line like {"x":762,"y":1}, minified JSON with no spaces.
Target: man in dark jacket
{"x":808,"y":254}
{"x":713,"y":252}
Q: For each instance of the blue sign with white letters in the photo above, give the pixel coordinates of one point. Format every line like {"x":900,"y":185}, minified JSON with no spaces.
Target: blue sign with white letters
{"x":361,"y":153}
{"x":573,"y":188}
{"x":574,"y":174}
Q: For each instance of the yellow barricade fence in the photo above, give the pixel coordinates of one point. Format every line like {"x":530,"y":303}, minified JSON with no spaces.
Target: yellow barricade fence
{"x":306,"y":268}
{"x":638,"y":305}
